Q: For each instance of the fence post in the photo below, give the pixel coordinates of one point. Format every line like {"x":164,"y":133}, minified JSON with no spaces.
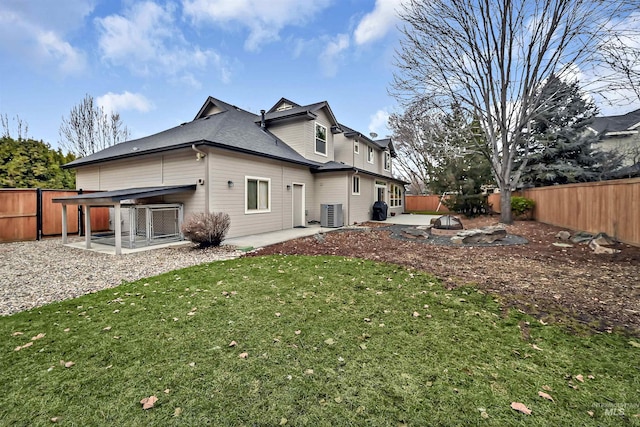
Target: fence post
{"x":80,"y":218}
{"x":38,"y":214}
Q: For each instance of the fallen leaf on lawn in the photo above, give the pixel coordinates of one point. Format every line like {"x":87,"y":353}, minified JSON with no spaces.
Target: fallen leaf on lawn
{"x":580,"y":378}
{"x":484,"y":415}
{"x":634,"y":344}
{"x":116,"y":311}
{"x":107,"y":328}
{"x":547,"y":388}
{"x":309,"y":372}
{"x":192,"y":364}
{"x":520,"y":407}
{"x":177,"y":412}
{"x":191,"y":313}
{"x":69,"y":364}
{"x":590,"y":413}
{"x":20,"y":347}
{"x":148,"y":402}
{"x":233,"y":344}
{"x":15,"y":334}
{"x":338,"y":399}
{"x":167,"y":391}
{"x":175,"y":319}
{"x":591,"y":377}
{"x":360,"y":409}
{"x":37,"y":337}
{"x":329,"y":341}
{"x":56,"y":419}
{"x":66,"y":330}
{"x":535,"y":347}
{"x":416,"y":314}
{"x":363,"y":346}
{"x":243,"y":355}
{"x":278,"y":314}
{"x":283,"y":421}
{"x":544,"y":395}
{"x":298,"y":332}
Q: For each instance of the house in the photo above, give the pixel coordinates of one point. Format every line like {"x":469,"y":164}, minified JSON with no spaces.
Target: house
{"x":269,"y":172}
{"x":620,"y":134}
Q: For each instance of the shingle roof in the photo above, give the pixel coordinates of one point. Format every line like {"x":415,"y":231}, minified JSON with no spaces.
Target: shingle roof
{"x":232,"y":128}
{"x":620,"y":123}
{"x":382,"y":144}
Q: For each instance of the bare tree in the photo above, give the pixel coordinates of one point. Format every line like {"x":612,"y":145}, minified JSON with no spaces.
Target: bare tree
{"x":90,"y":129}
{"x":492,"y":57}
{"x":22,"y":127}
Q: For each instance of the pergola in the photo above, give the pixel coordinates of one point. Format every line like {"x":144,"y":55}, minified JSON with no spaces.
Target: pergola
{"x":112,"y":199}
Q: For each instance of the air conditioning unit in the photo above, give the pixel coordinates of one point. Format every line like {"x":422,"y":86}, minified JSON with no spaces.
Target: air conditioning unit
{"x":331,"y":215}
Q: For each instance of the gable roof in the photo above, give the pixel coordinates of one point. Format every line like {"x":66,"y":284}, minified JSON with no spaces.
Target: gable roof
{"x":231,"y":128}
{"x":297,"y":110}
{"x":382,"y":144}
{"x":629,"y":122}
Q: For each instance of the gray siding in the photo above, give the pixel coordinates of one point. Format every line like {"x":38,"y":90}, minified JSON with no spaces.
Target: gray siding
{"x":361,"y":205}
{"x":333,"y":188}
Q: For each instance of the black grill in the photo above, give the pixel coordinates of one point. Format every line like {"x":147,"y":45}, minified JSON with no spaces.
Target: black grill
{"x":379,"y":211}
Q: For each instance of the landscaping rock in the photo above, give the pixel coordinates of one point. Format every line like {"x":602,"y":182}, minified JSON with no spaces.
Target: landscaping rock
{"x":480,"y":235}
{"x":415,"y":233}
{"x":603,"y":239}
{"x":582,"y":237}
{"x":598,"y":249}
{"x":562,"y":245}
{"x":319,"y":237}
{"x":563,"y":235}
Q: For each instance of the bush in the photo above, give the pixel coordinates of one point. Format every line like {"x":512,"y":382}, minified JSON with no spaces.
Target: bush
{"x":522,"y":206}
{"x":470,"y":206}
{"x":206,"y":229}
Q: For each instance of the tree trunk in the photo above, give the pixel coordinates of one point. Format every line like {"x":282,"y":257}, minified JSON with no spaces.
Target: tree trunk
{"x":505,"y":206}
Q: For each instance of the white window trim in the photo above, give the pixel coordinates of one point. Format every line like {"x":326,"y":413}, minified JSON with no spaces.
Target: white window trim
{"x":371,"y":157}
{"x":395,"y":202}
{"x":356,"y":147}
{"x":353,"y":180}
{"x":326,"y":142}
{"x":248,"y":211}
{"x":387,"y":161}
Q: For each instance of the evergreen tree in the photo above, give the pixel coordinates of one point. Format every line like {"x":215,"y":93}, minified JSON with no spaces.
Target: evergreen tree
{"x":27,"y":163}
{"x":562,"y":145}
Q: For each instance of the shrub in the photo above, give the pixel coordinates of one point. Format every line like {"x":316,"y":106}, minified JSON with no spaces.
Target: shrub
{"x":470,"y":205}
{"x":522,"y":206}
{"x":206,"y":229}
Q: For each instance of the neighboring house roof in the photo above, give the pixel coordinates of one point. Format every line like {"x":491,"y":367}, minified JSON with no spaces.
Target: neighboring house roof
{"x":616,"y":125}
{"x":231,"y":128}
{"x":382,"y":144}
{"x":632,"y":171}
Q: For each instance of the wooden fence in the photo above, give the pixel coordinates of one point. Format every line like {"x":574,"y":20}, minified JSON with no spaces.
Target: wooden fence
{"x":424,"y":203}
{"x":30,"y":214}
{"x":612,"y":207}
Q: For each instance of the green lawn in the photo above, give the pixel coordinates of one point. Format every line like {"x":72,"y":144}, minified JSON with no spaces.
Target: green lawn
{"x":328,"y":341}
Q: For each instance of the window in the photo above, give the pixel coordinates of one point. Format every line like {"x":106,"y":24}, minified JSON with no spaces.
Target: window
{"x":396,"y":195}
{"x":356,"y":185}
{"x":356,"y":147}
{"x":387,"y":161}
{"x":258,"y":195}
{"x":369,"y":154}
{"x":321,"y":139}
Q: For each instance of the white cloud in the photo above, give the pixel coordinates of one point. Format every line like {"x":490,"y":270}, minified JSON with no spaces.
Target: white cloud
{"x":263,"y":19}
{"x":332,"y":54}
{"x":377,"y":23}
{"x":147,"y":40}
{"x":116,"y":102}
{"x":378,"y":123}
{"x":35,"y":31}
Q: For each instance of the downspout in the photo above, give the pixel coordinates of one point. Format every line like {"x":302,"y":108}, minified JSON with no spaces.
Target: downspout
{"x":199,"y":155}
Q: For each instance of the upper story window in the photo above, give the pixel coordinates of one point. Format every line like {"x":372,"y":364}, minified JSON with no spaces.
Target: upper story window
{"x":356,"y":147}
{"x":321,"y":139}
{"x":258,"y":195}
{"x":387,"y":161}
{"x":370,"y":157}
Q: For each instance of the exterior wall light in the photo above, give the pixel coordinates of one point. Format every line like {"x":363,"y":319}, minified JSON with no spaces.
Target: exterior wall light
{"x":230,"y":184}
{"x":288,"y":187}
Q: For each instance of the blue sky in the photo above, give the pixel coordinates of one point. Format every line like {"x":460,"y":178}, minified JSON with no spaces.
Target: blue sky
{"x":155,"y":62}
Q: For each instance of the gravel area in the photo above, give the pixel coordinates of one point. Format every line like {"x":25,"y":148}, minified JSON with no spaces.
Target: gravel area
{"x":37,"y":273}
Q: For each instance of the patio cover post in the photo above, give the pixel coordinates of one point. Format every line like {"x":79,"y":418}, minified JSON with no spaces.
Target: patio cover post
{"x":118,"y":227}
{"x":64,"y":224}
{"x":87,"y":226}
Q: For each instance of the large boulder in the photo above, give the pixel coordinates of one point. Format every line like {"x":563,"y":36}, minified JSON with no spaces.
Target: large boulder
{"x":480,"y":235}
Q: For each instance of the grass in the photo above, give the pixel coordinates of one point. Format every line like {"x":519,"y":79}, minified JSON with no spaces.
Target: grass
{"x":329,"y":341}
